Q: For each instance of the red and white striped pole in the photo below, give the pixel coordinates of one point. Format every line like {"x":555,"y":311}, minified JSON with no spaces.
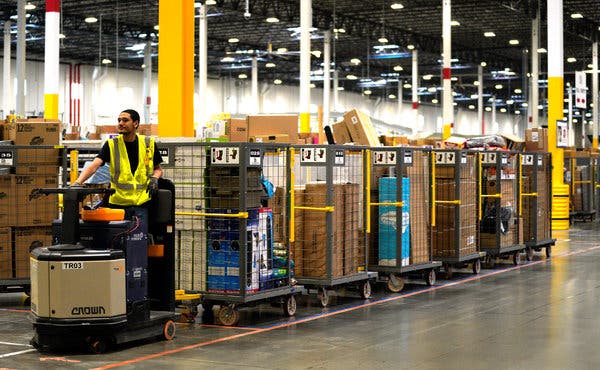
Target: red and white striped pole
{"x":51,"y":55}
{"x":447,"y":104}
{"x":415,"y":91}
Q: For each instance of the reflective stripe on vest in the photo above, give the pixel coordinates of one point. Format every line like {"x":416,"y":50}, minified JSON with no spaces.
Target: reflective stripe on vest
{"x":130,"y":187}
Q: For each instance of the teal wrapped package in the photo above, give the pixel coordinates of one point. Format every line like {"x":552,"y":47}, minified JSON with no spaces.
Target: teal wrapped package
{"x":389,"y":225}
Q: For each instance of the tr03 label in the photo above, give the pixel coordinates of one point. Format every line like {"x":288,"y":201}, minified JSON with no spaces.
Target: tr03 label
{"x":72,"y":265}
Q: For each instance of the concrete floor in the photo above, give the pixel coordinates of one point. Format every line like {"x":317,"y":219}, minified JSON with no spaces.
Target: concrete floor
{"x":538,"y":315}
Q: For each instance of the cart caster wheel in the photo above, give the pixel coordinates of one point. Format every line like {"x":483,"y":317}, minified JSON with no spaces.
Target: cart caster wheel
{"x":449,"y":270}
{"x":323,"y":296}
{"x":228,"y":315}
{"x":548,"y":251}
{"x":169,"y":330}
{"x":395,"y":283}
{"x":477,"y":266}
{"x":529,"y":254}
{"x":289,"y":306}
{"x":97,"y":345}
{"x":365,"y":290}
{"x":430,"y":277}
{"x":516,"y":258}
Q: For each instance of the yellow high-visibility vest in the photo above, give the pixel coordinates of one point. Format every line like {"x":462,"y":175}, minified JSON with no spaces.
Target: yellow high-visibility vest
{"x":130,"y":187}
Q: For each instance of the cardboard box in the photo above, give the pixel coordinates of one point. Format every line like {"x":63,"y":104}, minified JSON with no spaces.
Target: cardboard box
{"x":42,"y":169}
{"x":236,"y":129}
{"x":26,"y":239}
{"x":33,"y":133}
{"x":37,"y":156}
{"x":361,"y":128}
{"x":341,"y":135}
{"x":148,"y":129}
{"x":6,"y":265}
{"x":297,"y":247}
{"x":536,"y":140}
{"x":455,"y":142}
{"x":18,"y":209}
{"x":281,"y":139}
{"x":273,"y":125}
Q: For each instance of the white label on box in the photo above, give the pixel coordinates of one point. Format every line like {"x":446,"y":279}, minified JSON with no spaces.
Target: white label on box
{"x":254,"y":157}
{"x":463,"y":158}
{"x":408,"y":158}
{"x":504,"y":159}
{"x":535,"y":136}
{"x":450,"y":157}
{"x":233,"y":271}
{"x":225,"y":155}
{"x":164,"y":153}
{"x":440,"y":158}
{"x":527,"y":159}
{"x":380,"y":157}
{"x":216,"y":271}
{"x":354,"y":120}
{"x":338,"y":158}
{"x":6,"y":158}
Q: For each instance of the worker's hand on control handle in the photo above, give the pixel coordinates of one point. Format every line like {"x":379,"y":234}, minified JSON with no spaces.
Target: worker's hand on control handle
{"x":153,"y":186}
{"x":75,"y":185}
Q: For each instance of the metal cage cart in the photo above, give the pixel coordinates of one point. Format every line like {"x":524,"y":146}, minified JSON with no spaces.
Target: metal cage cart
{"x":327,"y":222}
{"x":535,"y":202}
{"x":580,"y":166}
{"x":500,"y":227}
{"x":399,"y":215}
{"x":26,"y":223}
{"x":245,"y":265}
{"x":454,"y":210}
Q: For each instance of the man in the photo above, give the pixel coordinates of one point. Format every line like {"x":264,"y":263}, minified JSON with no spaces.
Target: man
{"x":134,"y":167}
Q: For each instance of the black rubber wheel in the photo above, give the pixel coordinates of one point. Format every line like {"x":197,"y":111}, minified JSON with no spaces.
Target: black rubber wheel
{"x":97,"y":345}
{"x":323,"y":296}
{"x":477,"y":266}
{"x":169,"y":330}
{"x":228,"y":315}
{"x":529,"y":253}
{"x":430,"y":277}
{"x":548,"y":251}
{"x":289,"y":306}
{"x":516,"y":258}
{"x":395,"y":283}
{"x":365,"y":290}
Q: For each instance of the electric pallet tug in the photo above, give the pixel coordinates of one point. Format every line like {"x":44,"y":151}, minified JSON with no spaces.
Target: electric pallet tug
{"x":100,"y":284}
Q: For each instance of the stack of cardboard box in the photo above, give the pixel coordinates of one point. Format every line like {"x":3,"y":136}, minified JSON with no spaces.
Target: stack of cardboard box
{"x":420,"y":239}
{"x":24,"y":219}
{"x":508,"y":201}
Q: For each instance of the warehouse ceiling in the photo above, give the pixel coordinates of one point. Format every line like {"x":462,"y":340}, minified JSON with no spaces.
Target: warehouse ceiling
{"x":356,"y":27}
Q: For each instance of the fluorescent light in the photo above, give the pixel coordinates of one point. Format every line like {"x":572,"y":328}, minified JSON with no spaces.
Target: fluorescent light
{"x":339,"y":30}
{"x":106,"y":61}
{"x":427,"y":77}
{"x":474,"y":96}
{"x":571,"y":60}
{"x":517,"y":112}
{"x":489,"y":34}
{"x":498,"y":87}
{"x":434,"y":101}
{"x":227,"y":60}
{"x":510,"y":102}
{"x":518,"y":91}
{"x":407,"y":86}
{"x":242,"y":76}
{"x":542,"y":50}
{"x":355,"y":61}
{"x":233,"y":40}
{"x":277,"y":81}
{"x":351,"y":77}
{"x":282,"y":50}
{"x":210,"y":2}
{"x":270,"y":65}
{"x":514,"y":42}
{"x":471,"y":106}
{"x":410,"y":46}
{"x":61,"y":36}
{"x":312,"y":86}
{"x":382,"y":40}
{"x":91,"y":20}
{"x":396,"y":6}
{"x":272,"y":20}
{"x":432,"y":89}
{"x":454,"y":23}
{"x":525,"y":105}
{"x":392,"y":96}
{"x":316,"y":53}
{"x":29,"y":6}
{"x":576,"y":15}
{"x":367,"y":92}
{"x":197,"y":5}
{"x":340,"y":88}
{"x":398,"y":68}
{"x":488,"y":109}
{"x":454,"y":79}
{"x":156,"y":27}
{"x":483,"y":64}
{"x":503,"y":110}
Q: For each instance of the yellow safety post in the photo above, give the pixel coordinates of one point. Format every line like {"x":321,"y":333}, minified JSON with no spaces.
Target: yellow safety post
{"x":292,"y":197}
{"x":521,"y":194}
{"x":225,"y":215}
{"x":74,"y":165}
{"x":480,"y":192}
{"x":368,"y":190}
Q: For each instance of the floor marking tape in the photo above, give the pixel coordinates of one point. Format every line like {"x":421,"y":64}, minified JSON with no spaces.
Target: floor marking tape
{"x":15,"y":344}
{"x":17,"y":353}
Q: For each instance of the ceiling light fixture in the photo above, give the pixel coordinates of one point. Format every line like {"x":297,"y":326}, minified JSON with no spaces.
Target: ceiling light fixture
{"x":355,"y":61}
{"x":272,"y":20}
{"x":227,"y":60}
{"x":277,"y":81}
{"x":517,"y":112}
{"x":396,"y":6}
{"x":518,"y":91}
{"x":432,"y":89}
{"x":434,"y":101}
{"x":382,"y":40}
{"x":340,"y":88}
{"x":242,"y":76}
{"x":106,"y":61}
{"x":542,"y":50}
{"x":454,"y":23}
{"x":61,"y":36}
{"x":398,"y":68}
{"x":576,"y":15}
{"x":503,"y":110}
{"x":498,"y":87}
{"x":351,"y":77}
{"x":233,"y":40}
{"x":91,"y":20}
{"x":29,"y":6}
{"x":471,"y":106}
{"x":571,"y":60}
{"x":483,"y":64}
{"x":489,"y":34}
{"x":367,"y":92}
{"x":210,"y":2}
{"x":270,"y":65}
{"x":407,"y":86}
{"x":156,"y":27}
{"x":410,"y":46}
{"x":339,"y":30}
{"x":392,"y":96}
{"x":312,"y":86}
{"x":488,"y":109}
{"x":282,"y":50}
{"x":514,"y":42}
{"x":427,"y":77}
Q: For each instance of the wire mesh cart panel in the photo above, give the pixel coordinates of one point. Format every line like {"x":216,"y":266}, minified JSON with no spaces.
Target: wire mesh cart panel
{"x":454,"y":210}
{"x":399,"y":204}
{"x":327,"y":228}
{"x":25,"y":222}
{"x":535,"y":198}
{"x":235,"y":183}
{"x":580,"y":167}
{"x":500,"y":227}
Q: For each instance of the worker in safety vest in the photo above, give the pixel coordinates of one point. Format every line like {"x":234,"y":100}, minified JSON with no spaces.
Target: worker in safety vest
{"x":134,"y":165}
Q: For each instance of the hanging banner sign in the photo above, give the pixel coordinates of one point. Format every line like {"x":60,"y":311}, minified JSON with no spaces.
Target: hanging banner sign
{"x":562,"y":134}
{"x":580,"y":90}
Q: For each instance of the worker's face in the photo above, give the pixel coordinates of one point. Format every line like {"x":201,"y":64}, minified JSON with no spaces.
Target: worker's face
{"x":125,"y":124}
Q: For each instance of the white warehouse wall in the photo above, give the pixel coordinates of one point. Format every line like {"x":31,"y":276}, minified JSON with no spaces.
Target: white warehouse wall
{"x":122,"y":89}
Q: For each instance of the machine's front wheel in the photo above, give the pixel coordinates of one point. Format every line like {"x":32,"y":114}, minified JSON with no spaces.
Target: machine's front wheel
{"x":97,"y":345}
{"x":169,"y":330}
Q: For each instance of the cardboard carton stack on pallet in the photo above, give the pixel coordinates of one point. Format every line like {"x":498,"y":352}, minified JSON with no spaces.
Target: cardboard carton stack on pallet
{"x":26,"y":221}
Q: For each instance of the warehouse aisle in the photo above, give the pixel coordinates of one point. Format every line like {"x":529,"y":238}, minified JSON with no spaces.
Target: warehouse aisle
{"x":537,"y":315}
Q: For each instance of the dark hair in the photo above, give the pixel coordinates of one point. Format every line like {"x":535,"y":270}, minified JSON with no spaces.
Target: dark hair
{"x":135,"y":116}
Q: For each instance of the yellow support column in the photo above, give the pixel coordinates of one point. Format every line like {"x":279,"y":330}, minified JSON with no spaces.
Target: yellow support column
{"x":176,"y":68}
